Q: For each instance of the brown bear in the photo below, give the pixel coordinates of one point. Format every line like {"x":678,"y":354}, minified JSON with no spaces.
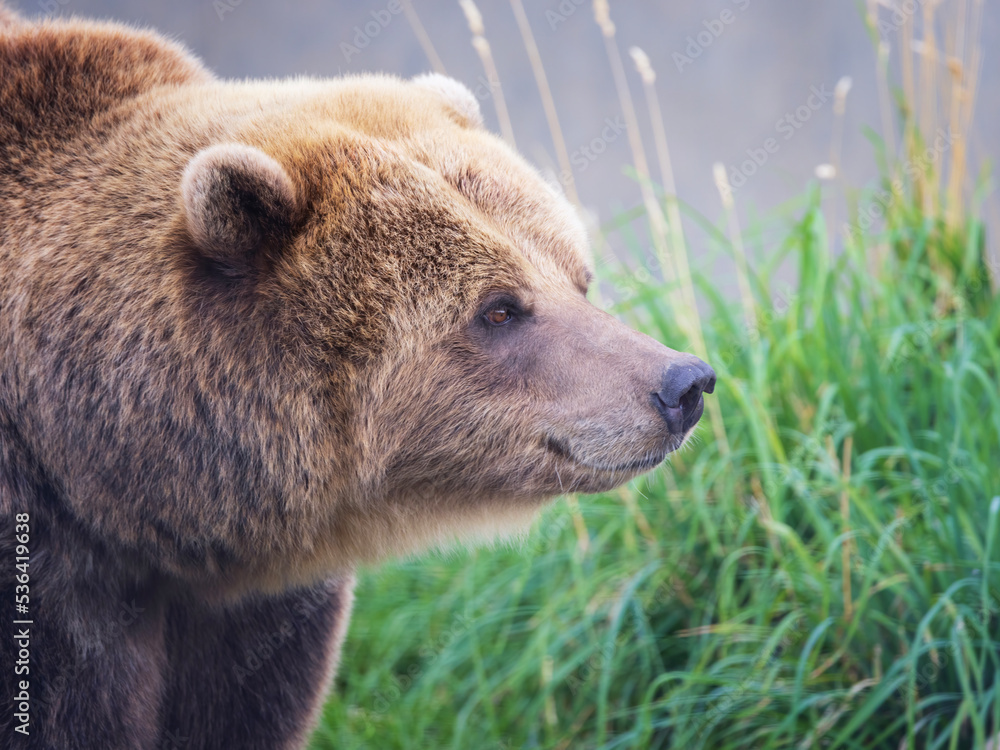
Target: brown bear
{"x":252,"y":335}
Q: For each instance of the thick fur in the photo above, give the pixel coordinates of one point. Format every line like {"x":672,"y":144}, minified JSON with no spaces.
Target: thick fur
{"x":243,"y":349}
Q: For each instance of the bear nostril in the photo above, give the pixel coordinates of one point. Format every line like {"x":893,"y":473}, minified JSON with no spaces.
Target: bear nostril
{"x":680,"y":401}
{"x":673,"y":415}
{"x":690,"y":399}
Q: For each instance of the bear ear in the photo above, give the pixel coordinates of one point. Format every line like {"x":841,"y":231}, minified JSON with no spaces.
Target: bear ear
{"x":457,"y":97}
{"x":238,"y":202}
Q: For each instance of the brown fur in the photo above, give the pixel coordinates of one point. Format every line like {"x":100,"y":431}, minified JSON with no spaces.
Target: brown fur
{"x":243,"y":351}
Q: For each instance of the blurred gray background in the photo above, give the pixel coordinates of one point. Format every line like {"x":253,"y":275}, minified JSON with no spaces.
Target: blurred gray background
{"x":723,"y":86}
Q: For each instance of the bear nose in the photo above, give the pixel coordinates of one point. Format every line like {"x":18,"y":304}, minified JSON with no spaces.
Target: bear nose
{"x":679,"y":399}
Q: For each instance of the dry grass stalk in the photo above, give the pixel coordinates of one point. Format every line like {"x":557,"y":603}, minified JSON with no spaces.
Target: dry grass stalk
{"x":909,"y":88}
{"x":423,"y":37}
{"x":678,"y":246}
{"x":579,"y":525}
{"x":954,"y":95}
{"x":548,"y":665}
{"x":906,"y":60}
{"x":877,"y":663}
{"x":885,"y":100}
{"x":964,"y":69}
{"x":685,"y":310}
{"x":882,"y":77}
{"x":840,"y":92}
{"x":636,"y":514}
{"x":482,"y":47}
{"x":955,"y":179}
{"x":739,"y":252}
{"x":929,"y":90}
{"x":948,"y":84}
{"x":837,"y":140}
{"x":547,"y":101}
{"x":845,"y":516}
{"x":656,"y":217}
{"x":767,"y":518}
{"x":928,"y":73}
{"x":973,"y":67}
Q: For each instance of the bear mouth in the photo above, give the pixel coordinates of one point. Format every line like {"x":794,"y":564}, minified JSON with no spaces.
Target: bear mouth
{"x":561,"y":449}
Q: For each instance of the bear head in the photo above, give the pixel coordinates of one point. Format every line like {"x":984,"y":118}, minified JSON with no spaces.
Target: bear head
{"x":314,"y":323}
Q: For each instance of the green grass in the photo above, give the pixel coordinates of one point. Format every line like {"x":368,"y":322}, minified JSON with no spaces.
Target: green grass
{"x":704,"y":605}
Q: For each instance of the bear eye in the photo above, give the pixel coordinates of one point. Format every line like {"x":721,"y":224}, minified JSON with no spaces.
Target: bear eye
{"x":500,"y":315}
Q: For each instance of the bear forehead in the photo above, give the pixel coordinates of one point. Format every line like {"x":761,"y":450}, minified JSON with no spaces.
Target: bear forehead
{"x":385,"y":158}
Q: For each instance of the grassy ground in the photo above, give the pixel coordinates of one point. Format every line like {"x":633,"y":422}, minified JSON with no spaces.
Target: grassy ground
{"x":821,"y":569}
{"x":832,"y":579}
